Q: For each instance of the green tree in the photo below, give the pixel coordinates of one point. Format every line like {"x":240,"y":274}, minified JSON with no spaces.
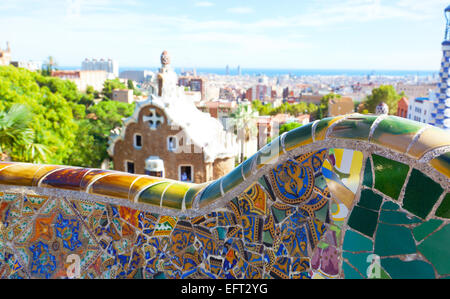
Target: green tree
{"x":93,"y":134}
{"x":17,"y":139}
{"x":386,"y":94}
{"x":52,"y":116}
{"x":244,"y":121}
{"x":48,"y":66}
{"x":288,"y":126}
{"x":109,"y":86}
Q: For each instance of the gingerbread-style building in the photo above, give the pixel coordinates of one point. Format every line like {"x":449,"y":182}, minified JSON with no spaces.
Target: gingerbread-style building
{"x":168,"y":136}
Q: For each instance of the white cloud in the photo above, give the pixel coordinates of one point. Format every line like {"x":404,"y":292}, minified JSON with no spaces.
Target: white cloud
{"x":240,"y":10}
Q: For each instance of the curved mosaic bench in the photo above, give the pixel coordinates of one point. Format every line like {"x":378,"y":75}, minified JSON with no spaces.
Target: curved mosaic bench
{"x":355,"y":196}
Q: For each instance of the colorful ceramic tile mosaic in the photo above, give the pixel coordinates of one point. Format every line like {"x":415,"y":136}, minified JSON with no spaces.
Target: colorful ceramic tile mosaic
{"x":358,"y":196}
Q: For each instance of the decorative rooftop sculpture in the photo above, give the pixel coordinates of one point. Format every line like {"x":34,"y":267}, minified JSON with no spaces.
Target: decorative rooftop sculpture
{"x":165,"y":58}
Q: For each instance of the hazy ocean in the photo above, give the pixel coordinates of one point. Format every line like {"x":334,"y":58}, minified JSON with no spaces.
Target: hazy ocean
{"x":280,"y":72}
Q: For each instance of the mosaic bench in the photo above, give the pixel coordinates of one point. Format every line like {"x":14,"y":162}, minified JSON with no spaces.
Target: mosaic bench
{"x":355,"y":196}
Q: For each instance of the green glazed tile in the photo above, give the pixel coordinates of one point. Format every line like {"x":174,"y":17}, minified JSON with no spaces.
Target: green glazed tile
{"x":323,"y":125}
{"x":356,"y":242}
{"x":354,"y":127}
{"x":426,"y":228}
{"x":322,"y":214}
{"x":363,"y":220}
{"x":278,"y":214}
{"x":444,"y":209}
{"x":320,"y":182}
{"x":370,"y":200}
{"x":221,"y":233}
{"x":396,"y":133}
{"x":359,"y":261}
{"x":394,"y":217}
{"x":390,"y":206}
{"x":399,"y":269}
{"x":436,"y":248}
{"x":191,"y":193}
{"x":152,"y":195}
{"x":350,"y":273}
{"x":232,"y":179}
{"x":247,"y":165}
{"x":381,"y":273}
{"x":368,"y":177}
{"x":298,"y":137}
{"x":267,"y":238}
{"x":421,"y":194}
{"x":268,"y":154}
{"x":393,"y":240}
{"x":211,"y":193}
{"x":389,"y":175}
{"x":173,"y":196}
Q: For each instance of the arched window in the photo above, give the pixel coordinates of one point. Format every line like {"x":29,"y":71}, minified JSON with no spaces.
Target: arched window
{"x":172,"y":143}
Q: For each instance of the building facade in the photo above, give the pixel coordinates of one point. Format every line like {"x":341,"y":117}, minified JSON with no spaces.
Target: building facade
{"x":83,"y":79}
{"x":420,"y":110}
{"x":402,"y":107}
{"x":111,"y":67}
{"x":123,"y":95}
{"x":167,"y":136}
{"x":340,"y":106}
{"x":29,"y":65}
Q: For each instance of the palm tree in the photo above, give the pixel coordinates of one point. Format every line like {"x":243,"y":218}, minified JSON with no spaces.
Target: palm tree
{"x":49,"y":65}
{"x":243,"y":120}
{"x":17,"y":138}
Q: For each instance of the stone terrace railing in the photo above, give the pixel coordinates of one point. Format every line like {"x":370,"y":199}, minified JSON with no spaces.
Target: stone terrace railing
{"x":355,"y":196}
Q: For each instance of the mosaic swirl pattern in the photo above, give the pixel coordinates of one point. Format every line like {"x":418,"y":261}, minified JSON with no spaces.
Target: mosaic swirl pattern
{"x":356,"y":196}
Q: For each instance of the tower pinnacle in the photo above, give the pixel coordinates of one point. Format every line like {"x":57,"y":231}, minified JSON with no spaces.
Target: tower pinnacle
{"x":447,"y":27}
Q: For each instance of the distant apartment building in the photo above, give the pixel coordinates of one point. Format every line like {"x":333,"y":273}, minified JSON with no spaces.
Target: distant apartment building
{"x":402,"y":107}
{"x":259,"y":92}
{"x":310,"y":98}
{"x":137,"y":76}
{"x":340,"y":106}
{"x":29,"y":65}
{"x":5,"y":55}
{"x":219,"y":109}
{"x":413,"y":91}
{"x":83,"y":79}
{"x":420,"y":110}
{"x":111,"y":67}
{"x":193,"y":84}
{"x":123,"y":95}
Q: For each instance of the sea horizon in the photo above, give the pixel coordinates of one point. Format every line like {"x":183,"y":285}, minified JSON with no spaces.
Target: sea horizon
{"x":275,"y":72}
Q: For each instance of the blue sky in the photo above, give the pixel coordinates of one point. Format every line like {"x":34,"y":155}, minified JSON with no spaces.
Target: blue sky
{"x":298,"y":34}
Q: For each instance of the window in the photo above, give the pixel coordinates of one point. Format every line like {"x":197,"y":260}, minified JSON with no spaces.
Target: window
{"x":185,"y":173}
{"x":172,"y":143}
{"x":137,"y":141}
{"x":129,"y":166}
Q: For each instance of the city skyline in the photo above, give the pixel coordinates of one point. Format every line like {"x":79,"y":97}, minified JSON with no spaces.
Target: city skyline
{"x":351,"y":34}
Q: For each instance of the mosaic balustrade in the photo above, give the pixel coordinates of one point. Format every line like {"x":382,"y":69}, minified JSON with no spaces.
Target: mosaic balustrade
{"x":356,"y":196}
